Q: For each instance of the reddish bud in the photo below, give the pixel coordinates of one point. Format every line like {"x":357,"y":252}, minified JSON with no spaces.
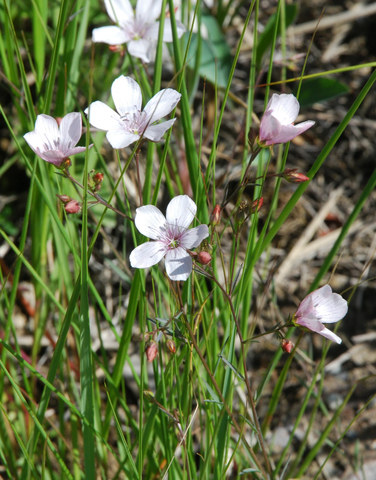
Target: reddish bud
{"x":95,"y":180}
{"x":171,"y":346}
{"x":151,"y":351}
{"x":204,"y":258}
{"x":58,"y":120}
{"x":293,"y":176}
{"x":72,"y":207}
{"x":216,"y":215}
{"x":256,"y":205}
{"x":117,"y":49}
{"x":287,"y":345}
{"x":98,"y":177}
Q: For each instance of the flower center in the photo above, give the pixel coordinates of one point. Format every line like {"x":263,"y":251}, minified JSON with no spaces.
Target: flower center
{"x":174,"y":243}
{"x":134,"y":122}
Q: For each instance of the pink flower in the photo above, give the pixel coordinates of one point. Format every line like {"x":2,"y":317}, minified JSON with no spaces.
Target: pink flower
{"x":277,"y":123}
{"x":129,"y":123}
{"x":170,"y":237}
{"x":54,"y":143}
{"x":321,"y":306}
{"x":139,"y":29}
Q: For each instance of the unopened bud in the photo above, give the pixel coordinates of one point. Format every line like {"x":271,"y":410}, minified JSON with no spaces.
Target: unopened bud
{"x":287,"y":345}
{"x":64,"y":198}
{"x":95,"y":180}
{"x":151,"y":351}
{"x":72,"y":207}
{"x":293,"y":176}
{"x":58,"y":120}
{"x":204,"y":258}
{"x":117,"y":49}
{"x":256,"y":205}
{"x":171,"y":346}
{"x":215,"y":217}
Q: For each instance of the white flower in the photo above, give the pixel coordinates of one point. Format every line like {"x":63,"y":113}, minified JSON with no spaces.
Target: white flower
{"x":139,"y":29}
{"x":54,"y":143}
{"x":170,"y":237}
{"x":131,"y":123}
{"x":277,"y":122}
{"x":321,"y":306}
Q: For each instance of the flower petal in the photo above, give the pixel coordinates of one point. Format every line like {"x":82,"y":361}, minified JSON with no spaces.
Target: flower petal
{"x":150,"y":221}
{"x":70,"y":131}
{"x":329,"y":307}
{"x":102,"y":116}
{"x":288,"y":132}
{"x":53,"y":156}
{"x":156,"y":132}
{"x":75,"y":150}
{"x":269,"y":129}
{"x":35,"y":142}
{"x":325,"y":332}
{"x":161,"y":104}
{"x":193,"y":237}
{"x":167,"y":31}
{"x":120,"y":138}
{"x":147,"y":254}
{"x":148,"y":11}
{"x":126,"y":94}
{"x":178,"y":264}
{"x":120,"y":11}
{"x":181,"y":211}
{"x":140,"y":48}
{"x":284,"y":107}
{"x":111,"y":35}
{"x":47,"y":129}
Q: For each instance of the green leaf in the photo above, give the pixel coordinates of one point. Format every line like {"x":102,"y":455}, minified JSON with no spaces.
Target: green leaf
{"x":320,"y":89}
{"x":266,"y":38}
{"x":215,"y":55}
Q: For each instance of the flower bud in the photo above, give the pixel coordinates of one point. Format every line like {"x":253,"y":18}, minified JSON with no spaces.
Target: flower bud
{"x":204,"y":258}
{"x":171,"y":346}
{"x":256,"y":205}
{"x":64,"y":198}
{"x":293,"y":176}
{"x":215,"y":217}
{"x":287,"y":345}
{"x":151,"y":351}
{"x":95,"y":180}
{"x":72,"y":207}
{"x":117,"y":49}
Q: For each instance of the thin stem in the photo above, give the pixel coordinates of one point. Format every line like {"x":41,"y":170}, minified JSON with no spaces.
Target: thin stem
{"x":96,"y":196}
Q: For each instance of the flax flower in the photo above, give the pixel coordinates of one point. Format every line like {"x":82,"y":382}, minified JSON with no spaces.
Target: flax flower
{"x":171,"y":237}
{"x":277,"y":123}
{"x":319,"y":307}
{"x":54,"y":143}
{"x":138,"y":29}
{"x":131,"y":123}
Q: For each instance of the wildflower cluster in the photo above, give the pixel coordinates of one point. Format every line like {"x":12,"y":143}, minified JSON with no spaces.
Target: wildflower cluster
{"x":171,"y":239}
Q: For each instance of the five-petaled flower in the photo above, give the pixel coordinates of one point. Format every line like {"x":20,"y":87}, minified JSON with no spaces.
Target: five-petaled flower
{"x":170,"y":236}
{"x":139,"y":29}
{"x":277,"y":123}
{"x":132,"y":123}
{"x":55,"y":143}
{"x":321,"y":306}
